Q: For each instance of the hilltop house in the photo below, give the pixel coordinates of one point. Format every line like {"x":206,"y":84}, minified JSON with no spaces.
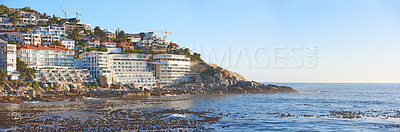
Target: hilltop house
{"x":126,"y":45}
{"x":93,"y":42}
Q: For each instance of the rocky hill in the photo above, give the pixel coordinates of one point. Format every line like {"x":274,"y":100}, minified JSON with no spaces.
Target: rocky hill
{"x":211,"y":79}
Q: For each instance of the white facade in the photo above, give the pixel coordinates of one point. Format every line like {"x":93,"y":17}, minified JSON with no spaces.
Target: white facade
{"x":8,"y":57}
{"x":151,"y":39}
{"x":30,"y":18}
{"x":69,"y":43}
{"x":52,"y":30}
{"x":109,"y":44}
{"x":132,"y":69}
{"x":133,"y":38}
{"x":64,"y":75}
{"x":114,"y":50}
{"x":25,"y":38}
{"x":97,"y":63}
{"x":38,"y":56}
{"x":171,"y":69}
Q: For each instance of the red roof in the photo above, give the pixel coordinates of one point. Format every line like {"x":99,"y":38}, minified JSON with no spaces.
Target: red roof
{"x":107,"y":41}
{"x":41,"y":47}
{"x":173,"y":44}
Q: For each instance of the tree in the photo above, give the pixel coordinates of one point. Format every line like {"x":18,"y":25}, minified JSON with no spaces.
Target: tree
{"x":35,"y":85}
{"x":4,"y":9}
{"x":28,"y":9}
{"x":99,"y":33}
{"x":57,"y":43}
{"x":102,"y":48}
{"x":41,"y":23}
{"x":43,"y":16}
{"x":89,"y":49}
{"x":122,"y":35}
{"x":75,"y":34}
{"x":23,"y":68}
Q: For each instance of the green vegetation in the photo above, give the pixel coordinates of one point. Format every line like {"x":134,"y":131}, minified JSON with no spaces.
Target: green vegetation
{"x":53,"y":20}
{"x":23,"y":68}
{"x":35,"y":85}
{"x":13,"y":42}
{"x":41,"y":23}
{"x":28,"y":9}
{"x":4,"y":10}
{"x":99,"y":33}
{"x":3,"y":77}
{"x":58,"y":43}
{"x":209,"y":72}
{"x":102,"y":48}
{"x":43,"y":16}
{"x":75,"y":34}
{"x":120,"y":36}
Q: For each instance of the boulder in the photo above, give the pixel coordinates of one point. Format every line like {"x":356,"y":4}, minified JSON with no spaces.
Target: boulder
{"x":104,"y":81}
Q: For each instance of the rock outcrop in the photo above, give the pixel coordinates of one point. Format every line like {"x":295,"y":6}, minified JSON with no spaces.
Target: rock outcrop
{"x":211,"y":79}
{"x":104,"y":81}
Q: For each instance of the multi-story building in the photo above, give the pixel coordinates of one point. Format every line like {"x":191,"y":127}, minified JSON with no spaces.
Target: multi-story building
{"x":31,"y":18}
{"x":109,"y":34}
{"x":133,"y":38}
{"x":132,"y":69}
{"x":108,"y":43}
{"x":8,"y":59}
{"x":24,"y":38}
{"x":170,"y":69}
{"x":97,"y":63}
{"x":69,"y":43}
{"x":38,"y":56}
{"x":93,"y":43}
{"x":52,"y":30}
{"x":151,"y":39}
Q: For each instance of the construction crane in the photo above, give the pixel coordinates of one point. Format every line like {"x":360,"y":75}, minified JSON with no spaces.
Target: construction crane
{"x":77,"y":14}
{"x":65,"y":13}
{"x":165,"y":32}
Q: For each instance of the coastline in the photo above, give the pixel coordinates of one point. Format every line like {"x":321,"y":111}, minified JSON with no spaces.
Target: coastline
{"x":81,"y":94}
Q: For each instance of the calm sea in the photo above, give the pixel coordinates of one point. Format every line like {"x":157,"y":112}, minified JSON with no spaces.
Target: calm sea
{"x":318,"y":107}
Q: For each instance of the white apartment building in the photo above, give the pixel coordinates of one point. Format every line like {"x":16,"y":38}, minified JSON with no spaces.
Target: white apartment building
{"x":52,"y":30}
{"x":51,"y":33}
{"x":97,"y":63}
{"x":25,"y":38}
{"x":69,"y":43}
{"x":30,"y":18}
{"x":151,"y":39}
{"x":8,"y":59}
{"x":132,"y":69}
{"x":38,"y":56}
{"x":171,"y":69}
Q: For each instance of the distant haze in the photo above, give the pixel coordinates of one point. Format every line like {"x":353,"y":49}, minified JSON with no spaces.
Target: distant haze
{"x":269,"y":41}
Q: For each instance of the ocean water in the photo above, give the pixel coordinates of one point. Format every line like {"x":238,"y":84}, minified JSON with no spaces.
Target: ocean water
{"x":317,"y":107}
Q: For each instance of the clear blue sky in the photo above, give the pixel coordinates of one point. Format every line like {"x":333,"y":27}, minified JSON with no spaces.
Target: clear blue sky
{"x":355,"y":40}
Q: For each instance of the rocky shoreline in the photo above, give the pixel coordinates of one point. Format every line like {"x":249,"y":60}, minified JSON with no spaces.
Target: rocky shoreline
{"x":209,"y":79}
{"x":81,"y":94}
